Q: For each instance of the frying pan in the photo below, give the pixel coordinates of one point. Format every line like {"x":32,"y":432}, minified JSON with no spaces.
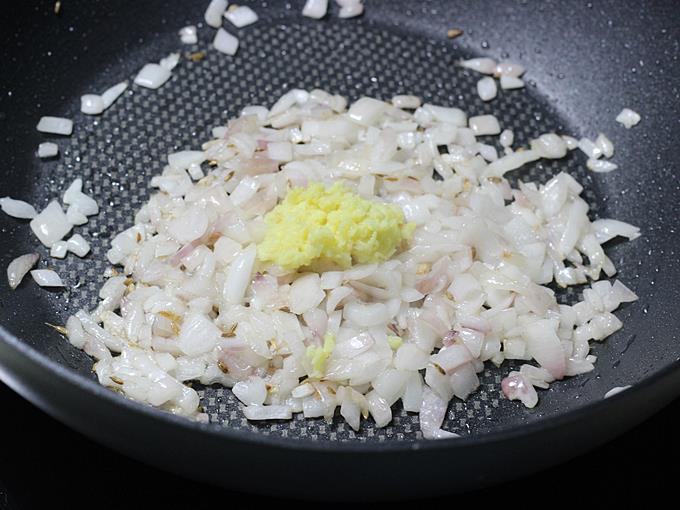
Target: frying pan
{"x":585,"y":62}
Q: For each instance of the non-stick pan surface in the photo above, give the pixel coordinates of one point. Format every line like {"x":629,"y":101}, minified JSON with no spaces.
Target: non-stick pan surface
{"x":585,"y":61}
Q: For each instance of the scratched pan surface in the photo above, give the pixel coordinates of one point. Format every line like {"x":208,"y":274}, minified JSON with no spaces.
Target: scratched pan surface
{"x":585,"y":61}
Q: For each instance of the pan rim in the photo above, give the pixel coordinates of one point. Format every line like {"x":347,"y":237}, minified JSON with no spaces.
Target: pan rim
{"x":333,"y":447}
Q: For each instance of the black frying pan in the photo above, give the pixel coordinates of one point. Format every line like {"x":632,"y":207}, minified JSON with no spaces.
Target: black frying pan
{"x":585,"y":61}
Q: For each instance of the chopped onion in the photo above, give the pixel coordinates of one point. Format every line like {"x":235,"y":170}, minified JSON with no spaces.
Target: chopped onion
{"x":169,"y":62}
{"x":366,"y":315}
{"x":472,"y":283}
{"x":17,"y":208}
{"x":600,"y":165}
{"x":239,"y":276}
{"x":91,"y":104}
{"x":78,"y":245}
{"x":486,"y":88}
{"x":225,"y":43}
{"x":315,"y":8}
{"x":48,"y":150}
{"x":484,"y":125}
{"x":410,"y":102}
{"x":516,"y":387}
{"x":273,"y":412}
{"x":280,"y":151}
{"x":605,"y":145}
{"x":51,"y":225}
{"x":152,"y":76}
{"x":198,"y":335}
{"x":589,"y":148}
{"x":213,"y":14}
{"x":628,"y":118}
{"x":46,"y":278}
{"x":507,"y":137}
{"x":509,"y":70}
{"x":241,"y":16}
{"x":252,"y":391}
{"x":74,"y":216}
{"x":17,"y":269}
{"x":305,"y":293}
{"x":59,"y":250}
{"x":110,"y":95}
{"x":55,"y":125}
{"x":188,"y":34}
{"x":432,"y":414}
{"x":550,"y":146}
{"x":511,"y":82}
{"x":84,"y":204}
{"x":606,"y":229}
{"x":481,"y":65}
{"x":616,"y":390}
{"x":351,"y":9}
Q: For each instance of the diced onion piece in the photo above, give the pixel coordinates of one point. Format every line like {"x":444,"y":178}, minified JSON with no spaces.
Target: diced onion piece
{"x":17,"y":269}
{"x":315,"y":8}
{"x":367,"y":110}
{"x":188,"y":34}
{"x":432,"y":414}
{"x":481,"y":65}
{"x":78,"y":245}
{"x":184,"y":159}
{"x":487,"y":89}
{"x":589,"y":148}
{"x":616,"y":390}
{"x":550,"y":146}
{"x":509,"y":69}
{"x":451,"y":357}
{"x":445,"y":114}
{"x":59,"y":250}
{"x":17,"y":208}
{"x":152,"y":76}
{"x":410,"y":102}
{"x":507,"y":137}
{"x":484,"y":125}
{"x":48,"y":150}
{"x":516,"y":387}
{"x":351,"y":10}
{"x":55,"y":125}
{"x":252,"y":391}
{"x":545,"y":347}
{"x":169,"y":62}
{"x":606,"y":229}
{"x":241,"y":16}
{"x":91,"y":104}
{"x":46,"y":278}
{"x":511,"y":82}
{"x":239,"y":276}
{"x":366,"y":314}
{"x":198,"y":335}
{"x":110,"y":95}
{"x":51,"y":225}
{"x":305,"y":293}
{"x":245,"y":190}
{"x":280,"y":151}
{"x":605,"y":145}
{"x":379,"y":409}
{"x":213,"y":14}
{"x":74,"y":216}
{"x":601,"y":165}
{"x":628,"y":118}
{"x":225,"y":43}
{"x":273,"y":412}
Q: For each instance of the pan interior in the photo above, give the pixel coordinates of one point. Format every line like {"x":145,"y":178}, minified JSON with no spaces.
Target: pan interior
{"x":118,"y":152}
